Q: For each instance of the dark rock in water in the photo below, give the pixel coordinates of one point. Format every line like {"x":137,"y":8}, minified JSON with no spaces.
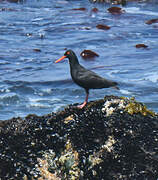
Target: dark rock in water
{"x":104,"y":27}
{"x":88,"y":54}
{"x":141,"y":46}
{"x":7,"y":9}
{"x":80,"y":9}
{"x":112,"y":139}
{"x":95,"y":10}
{"x":151,"y":21}
{"x":37,"y":50}
{"x":122,"y":2}
{"x":115,"y":10}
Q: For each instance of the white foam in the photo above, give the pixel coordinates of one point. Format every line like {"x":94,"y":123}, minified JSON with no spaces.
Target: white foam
{"x":153,"y":77}
{"x":123,"y":91}
{"x":5,"y":90}
{"x":39,"y":105}
{"x":136,"y":10}
{"x":48,"y":90}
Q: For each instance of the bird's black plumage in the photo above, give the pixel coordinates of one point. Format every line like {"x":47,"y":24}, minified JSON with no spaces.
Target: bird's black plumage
{"x":83,"y":77}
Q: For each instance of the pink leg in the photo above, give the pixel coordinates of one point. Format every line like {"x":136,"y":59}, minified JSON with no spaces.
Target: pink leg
{"x":85,"y":102}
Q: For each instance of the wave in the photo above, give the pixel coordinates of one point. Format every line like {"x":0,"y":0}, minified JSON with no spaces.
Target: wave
{"x":23,"y":83}
{"x":10,"y":98}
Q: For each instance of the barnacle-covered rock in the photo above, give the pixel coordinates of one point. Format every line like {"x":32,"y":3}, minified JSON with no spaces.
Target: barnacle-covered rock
{"x":113,"y":138}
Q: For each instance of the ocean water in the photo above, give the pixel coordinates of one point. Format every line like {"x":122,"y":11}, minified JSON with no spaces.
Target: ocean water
{"x":35,"y":33}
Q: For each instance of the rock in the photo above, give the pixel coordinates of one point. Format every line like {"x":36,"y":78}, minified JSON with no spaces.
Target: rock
{"x":151,"y":21}
{"x":80,"y":9}
{"x":104,"y":27}
{"x":94,"y":10}
{"x":36,"y":50}
{"x":7,"y":9}
{"x":141,"y":46}
{"x":115,"y":10}
{"x":113,"y":138}
{"x":88,"y":54}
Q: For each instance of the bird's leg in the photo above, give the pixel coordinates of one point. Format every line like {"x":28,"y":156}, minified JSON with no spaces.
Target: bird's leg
{"x":86,"y":100}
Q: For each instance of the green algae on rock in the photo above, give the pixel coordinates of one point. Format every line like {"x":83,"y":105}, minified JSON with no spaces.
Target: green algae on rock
{"x":135,"y":107}
{"x":113,"y":138}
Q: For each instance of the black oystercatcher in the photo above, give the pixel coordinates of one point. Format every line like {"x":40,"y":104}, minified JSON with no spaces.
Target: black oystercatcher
{"x":85,"y":78}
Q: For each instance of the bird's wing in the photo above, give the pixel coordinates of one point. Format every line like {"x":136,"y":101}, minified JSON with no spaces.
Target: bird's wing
{"x":90,"y":80}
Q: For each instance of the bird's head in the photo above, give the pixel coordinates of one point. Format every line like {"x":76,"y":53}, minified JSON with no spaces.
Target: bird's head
{"x":68,"y":54}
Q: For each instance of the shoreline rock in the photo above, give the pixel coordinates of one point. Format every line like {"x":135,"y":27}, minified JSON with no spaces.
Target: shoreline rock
{"x":113,"y":138}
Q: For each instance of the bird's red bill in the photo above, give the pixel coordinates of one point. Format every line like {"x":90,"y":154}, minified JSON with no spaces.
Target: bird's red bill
{"x":63,"y":57}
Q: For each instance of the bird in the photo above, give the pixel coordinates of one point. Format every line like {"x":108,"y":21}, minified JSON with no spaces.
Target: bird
{"x":85,"y":78}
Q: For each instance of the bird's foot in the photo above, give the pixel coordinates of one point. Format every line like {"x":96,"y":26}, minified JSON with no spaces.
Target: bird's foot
{"x":82,"y":105}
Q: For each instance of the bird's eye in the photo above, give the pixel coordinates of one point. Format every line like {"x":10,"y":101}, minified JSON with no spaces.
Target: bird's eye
{"x":68,"y":53}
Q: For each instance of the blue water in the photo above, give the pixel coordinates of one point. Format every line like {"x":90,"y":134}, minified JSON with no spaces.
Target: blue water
{"x":30,"y":81}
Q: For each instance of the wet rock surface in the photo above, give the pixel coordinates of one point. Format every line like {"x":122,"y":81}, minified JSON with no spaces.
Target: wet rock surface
{"x":112,"y":138}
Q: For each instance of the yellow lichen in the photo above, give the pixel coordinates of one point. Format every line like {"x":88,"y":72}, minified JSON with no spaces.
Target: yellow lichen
{"x":68,"y":119}
{"x":134,"y":107}
{"x":64,"y":165}
{"x":45,"y":174}
{"x":25,"y":177}
{"x":96,"y":158}
{"x":109,"y":144}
